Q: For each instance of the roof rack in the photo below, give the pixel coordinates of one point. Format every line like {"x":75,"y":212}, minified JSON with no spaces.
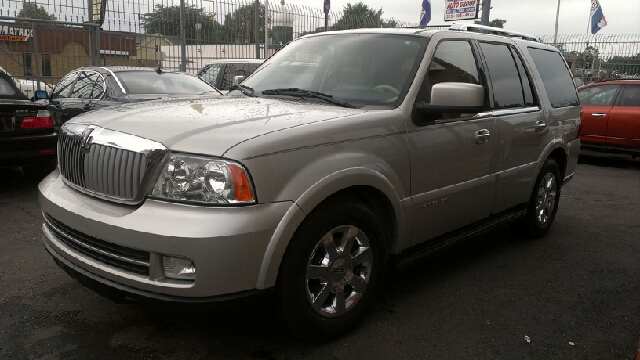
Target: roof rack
{"x":493,"y":30}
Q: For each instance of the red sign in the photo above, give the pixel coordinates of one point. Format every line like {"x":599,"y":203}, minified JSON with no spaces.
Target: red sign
{"x":4,"y":37}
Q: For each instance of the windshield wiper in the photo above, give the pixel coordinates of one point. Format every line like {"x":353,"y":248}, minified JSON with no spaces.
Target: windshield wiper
{"x":243,"y":89}
{"x":307,"y":93}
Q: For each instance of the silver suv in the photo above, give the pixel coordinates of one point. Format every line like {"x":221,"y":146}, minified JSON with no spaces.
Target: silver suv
{"x":343,"y":153}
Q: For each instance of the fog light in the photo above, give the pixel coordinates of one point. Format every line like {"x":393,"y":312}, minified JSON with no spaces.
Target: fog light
{"x":176,"y":268}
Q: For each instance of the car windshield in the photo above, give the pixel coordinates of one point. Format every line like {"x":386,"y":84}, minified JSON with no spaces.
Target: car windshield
{"x":367,"y":69}
{"x":210,"y":75}
{"x":150,"y":82}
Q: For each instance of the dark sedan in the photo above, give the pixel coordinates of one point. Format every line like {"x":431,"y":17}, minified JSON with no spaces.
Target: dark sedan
{"x":91,"y":88}
{"x":27,"y":137}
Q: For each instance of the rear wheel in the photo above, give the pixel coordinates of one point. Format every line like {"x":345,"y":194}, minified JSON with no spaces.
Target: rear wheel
{"x":331,"y":270}
{"x":543,"y":204}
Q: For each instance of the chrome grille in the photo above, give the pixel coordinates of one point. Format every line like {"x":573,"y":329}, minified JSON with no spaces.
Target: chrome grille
{"x":127,"y":259}
{"x":107,"y":163}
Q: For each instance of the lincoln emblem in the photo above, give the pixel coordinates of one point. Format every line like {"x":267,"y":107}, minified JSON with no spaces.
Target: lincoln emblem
{"x":85,"y":144}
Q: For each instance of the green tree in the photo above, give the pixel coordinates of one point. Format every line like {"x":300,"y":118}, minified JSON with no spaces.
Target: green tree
{"x":499,"y":23}
{"x":33,"y":11}
{"x":240,"y":25}
{"x":357,"y":16}
{"x":165,"y":20}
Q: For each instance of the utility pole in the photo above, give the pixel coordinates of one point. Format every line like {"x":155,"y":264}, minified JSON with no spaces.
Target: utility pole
{"x":486,"y":7}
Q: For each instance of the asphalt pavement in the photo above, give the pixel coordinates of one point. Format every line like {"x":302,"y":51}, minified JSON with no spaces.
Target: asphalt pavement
{"x":573,"y":294}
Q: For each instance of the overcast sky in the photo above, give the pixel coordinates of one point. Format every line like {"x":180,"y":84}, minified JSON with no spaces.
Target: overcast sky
{"x":535,"y":17}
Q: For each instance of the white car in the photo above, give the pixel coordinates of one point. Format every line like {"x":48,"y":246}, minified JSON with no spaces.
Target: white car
{"x":29,"y":87}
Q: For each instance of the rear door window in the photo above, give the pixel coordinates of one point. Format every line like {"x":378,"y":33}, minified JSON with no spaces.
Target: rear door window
{"x":508,"y":91}
{"x":556,"y":77}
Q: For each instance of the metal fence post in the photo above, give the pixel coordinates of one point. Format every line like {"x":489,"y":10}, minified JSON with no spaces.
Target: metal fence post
{"x":35,"y":53}
{"x":183,"y":39}
{"x":266,"y":29}
{"x":256,"y":25}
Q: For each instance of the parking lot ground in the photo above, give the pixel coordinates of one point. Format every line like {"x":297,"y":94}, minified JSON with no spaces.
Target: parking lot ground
{"x":574,"y":294}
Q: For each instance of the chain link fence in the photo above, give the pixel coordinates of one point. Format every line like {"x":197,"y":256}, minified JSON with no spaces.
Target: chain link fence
{"x":45,"y":39}
{"x":600,"y":57}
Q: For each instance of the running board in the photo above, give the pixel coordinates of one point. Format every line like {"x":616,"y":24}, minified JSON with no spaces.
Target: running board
{"x":441,"y":242}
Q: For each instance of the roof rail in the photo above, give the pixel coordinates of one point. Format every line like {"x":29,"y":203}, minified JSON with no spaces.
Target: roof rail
{"x":492,"y":30}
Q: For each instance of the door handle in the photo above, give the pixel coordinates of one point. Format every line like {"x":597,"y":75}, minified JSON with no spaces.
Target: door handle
{"x":540,"y":126}
{"x":482,"y":136}
{"x":599,"y":115}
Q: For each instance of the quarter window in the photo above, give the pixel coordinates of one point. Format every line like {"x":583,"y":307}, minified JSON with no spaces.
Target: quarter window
{"x":555,"y":76}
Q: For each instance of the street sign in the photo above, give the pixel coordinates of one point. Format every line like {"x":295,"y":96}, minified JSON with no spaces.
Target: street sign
{"x":327,"y":6}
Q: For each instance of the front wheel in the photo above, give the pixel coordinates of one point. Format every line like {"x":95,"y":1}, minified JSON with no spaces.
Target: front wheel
{"x":331,"y":270}
{"x":543,"y":204}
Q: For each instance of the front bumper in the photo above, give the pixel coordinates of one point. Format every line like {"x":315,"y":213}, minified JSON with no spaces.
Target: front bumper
{"x":90,"y":237}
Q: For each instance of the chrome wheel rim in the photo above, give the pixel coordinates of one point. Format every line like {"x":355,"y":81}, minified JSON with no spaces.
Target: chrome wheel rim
{"x":546,"y":200}
{"x":338,"y":271}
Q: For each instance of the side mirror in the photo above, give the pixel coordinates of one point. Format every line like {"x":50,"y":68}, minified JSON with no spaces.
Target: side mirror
{"x":237,"y":79}
{"x":41,"y":95}
{"x":454,"y":97}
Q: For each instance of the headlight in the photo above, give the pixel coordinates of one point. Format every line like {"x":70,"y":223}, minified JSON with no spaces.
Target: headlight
{"x":203,"y":180}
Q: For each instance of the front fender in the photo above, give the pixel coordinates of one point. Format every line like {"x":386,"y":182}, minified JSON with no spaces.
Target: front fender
{"x":311,"y":198}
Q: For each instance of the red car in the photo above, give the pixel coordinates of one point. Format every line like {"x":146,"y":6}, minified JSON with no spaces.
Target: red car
{"x":611,"y":116}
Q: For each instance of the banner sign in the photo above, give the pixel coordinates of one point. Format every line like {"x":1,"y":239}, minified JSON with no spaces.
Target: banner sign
{"x":460,"y":10}
{"x":9,"y":33}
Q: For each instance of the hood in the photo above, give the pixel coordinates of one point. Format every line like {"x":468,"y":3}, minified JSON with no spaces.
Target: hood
{"x":211,"y":125}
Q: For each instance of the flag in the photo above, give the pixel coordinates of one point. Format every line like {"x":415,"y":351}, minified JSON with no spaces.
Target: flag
{"x":425,"y":14}
{"x":597,"y":20}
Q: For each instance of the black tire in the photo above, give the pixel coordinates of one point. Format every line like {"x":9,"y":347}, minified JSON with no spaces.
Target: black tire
{"x":543,"y":203}
{"x":343,"y":218}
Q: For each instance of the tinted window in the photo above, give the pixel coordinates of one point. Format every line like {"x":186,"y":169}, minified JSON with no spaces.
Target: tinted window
{"x":453,"y":61}
{"x":555,"y":76}
{"x":63,"y":89}
{"x":90,"y":85}
{"x":507,"y":87}
{"x":210,"y":75}
{"x":602,"y":95}
{"x":630,"y":96}
{"x":231,"y":71}
{"x":527,"y":84}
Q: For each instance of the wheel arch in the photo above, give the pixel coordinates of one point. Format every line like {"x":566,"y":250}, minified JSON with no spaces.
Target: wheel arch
{"x":367,"y":185}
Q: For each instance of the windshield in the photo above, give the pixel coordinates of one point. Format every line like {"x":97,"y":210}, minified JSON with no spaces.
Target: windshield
{"x":369,"y":69}
{"x":149,"y":82}
{"x":210,"y":75}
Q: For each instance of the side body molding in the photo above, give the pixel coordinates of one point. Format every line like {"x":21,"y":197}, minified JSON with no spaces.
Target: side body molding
{"x":311,"y":198}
